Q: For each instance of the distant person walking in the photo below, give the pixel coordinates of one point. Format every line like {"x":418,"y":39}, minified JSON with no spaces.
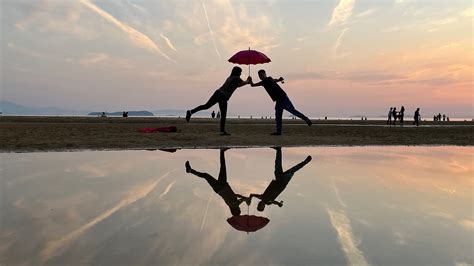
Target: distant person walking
{"x":389,"y":119}
{"x":401,"y":114}
{"x":416,"y":117}
{"x":213,"y":114}
{"x":282,"y":102}
{"x":394,"y":115}
{"x":222,"y":96}
{"x":218,"y":114}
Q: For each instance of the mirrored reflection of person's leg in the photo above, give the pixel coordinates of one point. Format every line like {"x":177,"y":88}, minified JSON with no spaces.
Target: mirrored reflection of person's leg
{"x":223,"y":170}
{"x":278,"y":167}
{"x":211,"y":180}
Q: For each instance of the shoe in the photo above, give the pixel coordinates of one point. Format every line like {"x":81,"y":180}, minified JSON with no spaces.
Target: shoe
{"x":224,"y":133}
{"x":188,"y":115}
{"x":188,"y":167}
{"x":276,"y":134}
{"x":308,"y":121}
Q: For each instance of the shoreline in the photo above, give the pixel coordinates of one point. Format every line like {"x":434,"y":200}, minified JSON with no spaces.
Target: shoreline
{"x":42,"y":134}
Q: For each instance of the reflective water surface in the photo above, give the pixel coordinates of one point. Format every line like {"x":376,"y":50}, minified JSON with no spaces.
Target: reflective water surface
{"x":289,"y":206}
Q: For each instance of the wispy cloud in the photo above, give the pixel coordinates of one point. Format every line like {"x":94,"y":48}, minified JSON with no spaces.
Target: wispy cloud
{"x":168,"y":42}
{"x":349,"y":245}
{"x":210,"y":30}
{"x":342,"y":12}
{"x":366,"y":13}
{"x":138,"y":38}
{"x":339,"y":39}
{"x":26,"y":51}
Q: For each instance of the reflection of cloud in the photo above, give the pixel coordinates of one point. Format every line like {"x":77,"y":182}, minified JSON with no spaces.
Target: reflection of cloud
{"x":138,"y":38}
{"x":339,"y":39}
{"x":342,"y":12}
{"x":55,"y":247}
{"x":342,"y":225}
{"x":168,"y":42}
{"x":205,"y":213}
{"x":167,"y":189}
{"x":400,"y":238}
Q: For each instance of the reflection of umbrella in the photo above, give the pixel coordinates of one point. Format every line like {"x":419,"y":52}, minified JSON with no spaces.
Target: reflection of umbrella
{"x":248,"y":223}
{"x":249,"y":57}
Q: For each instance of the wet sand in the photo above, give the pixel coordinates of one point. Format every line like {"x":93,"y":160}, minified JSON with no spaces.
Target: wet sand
{"x":29,"y":133}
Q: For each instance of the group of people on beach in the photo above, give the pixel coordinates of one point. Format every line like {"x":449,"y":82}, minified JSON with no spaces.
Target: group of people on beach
{"x":222,"y":95}
{"x":392,"y":113}
{"x":439,"y":117}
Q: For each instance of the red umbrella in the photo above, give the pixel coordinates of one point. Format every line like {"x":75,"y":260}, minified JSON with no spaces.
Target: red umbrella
{"x":248,"y":223}
{"x":249,"y":57}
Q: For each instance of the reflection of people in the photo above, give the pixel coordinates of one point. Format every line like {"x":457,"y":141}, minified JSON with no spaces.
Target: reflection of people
{"x":279,"y":183}
{"x":222,"y":96}
{"x":220,"y":186}
{"x":282,"y":102}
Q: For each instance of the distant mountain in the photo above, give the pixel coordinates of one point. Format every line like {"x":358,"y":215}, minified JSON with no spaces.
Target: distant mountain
{"x":11,"y":108}
{"x":130,"y":113}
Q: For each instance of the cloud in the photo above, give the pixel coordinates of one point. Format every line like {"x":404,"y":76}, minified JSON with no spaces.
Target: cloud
{"x":25,"y":51}
{"x":339,"y":39}
{"x":168,"y":42}
{"x":468,"y":12}
{"x":342,"y":12}
{"x":138,"y":38}
{"x":467,"y":224}
{"x":366,"y":13}
{"x":104,"y":61}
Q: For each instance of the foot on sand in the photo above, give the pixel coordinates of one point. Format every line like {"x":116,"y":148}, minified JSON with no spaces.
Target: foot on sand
{"x":308,"y":121}
{"x":225,"y":133}
{"x":188,"y":167}
{"x":276,"y":134}
{"x":188,"y":115}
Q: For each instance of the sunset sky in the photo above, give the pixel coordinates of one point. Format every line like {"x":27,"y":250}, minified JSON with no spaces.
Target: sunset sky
{"x":339,"y":57}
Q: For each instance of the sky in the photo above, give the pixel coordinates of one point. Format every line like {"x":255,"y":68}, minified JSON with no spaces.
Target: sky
{"x":338,"y":57}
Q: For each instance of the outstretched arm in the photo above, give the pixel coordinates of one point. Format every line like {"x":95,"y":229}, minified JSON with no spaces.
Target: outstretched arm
{"x":245,"y":82}
{"x":281,"y":79}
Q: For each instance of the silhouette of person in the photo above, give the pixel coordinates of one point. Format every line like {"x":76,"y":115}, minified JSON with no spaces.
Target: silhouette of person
{"x":439,"y":117}
{"x":222,"y":96}
{"x":394,"y":114}
{"x":416,"y":117}
{"x":401,"y":114}
{"x":213,"y":114}
{"x":282,"y":102}
{"x":444,"y":117}
{"x":220,"y":185}
{"x":389,"y":120}
{"x":277,"y":185}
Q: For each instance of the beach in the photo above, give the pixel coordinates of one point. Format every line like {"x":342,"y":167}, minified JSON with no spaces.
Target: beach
{"x":31,"y":133}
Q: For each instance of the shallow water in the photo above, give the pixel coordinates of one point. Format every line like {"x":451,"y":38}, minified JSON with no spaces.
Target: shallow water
{"x":348,"y":205}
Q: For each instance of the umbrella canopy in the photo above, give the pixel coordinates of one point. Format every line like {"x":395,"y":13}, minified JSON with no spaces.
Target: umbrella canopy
{"x":248,"y":223}
{"x":249,"y":57}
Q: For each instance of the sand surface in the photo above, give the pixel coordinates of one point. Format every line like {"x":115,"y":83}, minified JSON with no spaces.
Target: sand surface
{"x":28,"y":133}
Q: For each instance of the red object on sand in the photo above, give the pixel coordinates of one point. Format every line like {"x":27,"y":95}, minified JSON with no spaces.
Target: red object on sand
{"x":248,"y":223}
{"x":158,"y":129}
{"x":249,"y":57}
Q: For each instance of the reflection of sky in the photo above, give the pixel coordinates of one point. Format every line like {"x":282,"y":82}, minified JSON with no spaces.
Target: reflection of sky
{"x":358,"y":205}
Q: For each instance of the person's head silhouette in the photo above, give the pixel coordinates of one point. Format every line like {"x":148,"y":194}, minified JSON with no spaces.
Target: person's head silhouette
{"x":236,"y":71}
{"x":261,"y":206}
{"x":261,"y":74}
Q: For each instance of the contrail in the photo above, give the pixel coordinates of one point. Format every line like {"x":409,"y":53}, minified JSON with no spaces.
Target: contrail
{"x":138,"y":38}
{"x":56,"y":247}
{"x":210,"y":29}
